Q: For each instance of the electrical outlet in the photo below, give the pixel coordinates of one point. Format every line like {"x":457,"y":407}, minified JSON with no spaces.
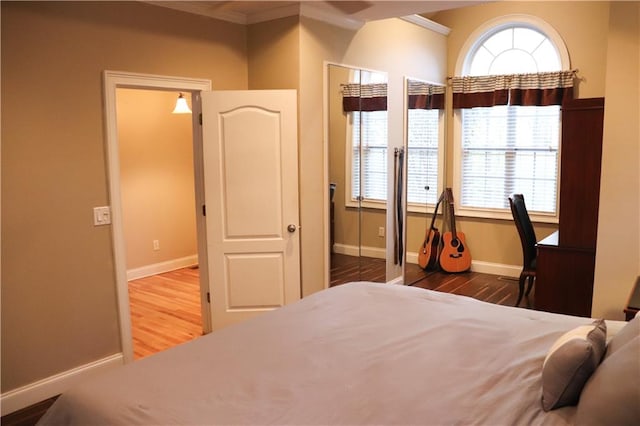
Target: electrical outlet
{"x":156,"y":244}
{"x":381,"y":231}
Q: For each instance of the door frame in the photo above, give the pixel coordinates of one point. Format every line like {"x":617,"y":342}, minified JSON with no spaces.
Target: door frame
{"x":118,"y":79}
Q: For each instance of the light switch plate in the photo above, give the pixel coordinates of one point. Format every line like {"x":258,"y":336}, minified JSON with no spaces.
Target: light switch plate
{"x":101,"y":215}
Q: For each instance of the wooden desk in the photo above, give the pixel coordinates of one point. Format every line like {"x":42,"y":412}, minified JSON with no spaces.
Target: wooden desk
{"x":633,"y":304}
{"x":564,"y":277}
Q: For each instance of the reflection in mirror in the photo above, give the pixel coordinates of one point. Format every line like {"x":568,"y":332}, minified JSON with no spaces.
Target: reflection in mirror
{"x":425,"y":146}
{"x":357,"y":135}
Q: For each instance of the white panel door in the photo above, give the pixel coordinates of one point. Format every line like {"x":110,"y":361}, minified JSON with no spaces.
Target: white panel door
{"x":251,"y":194}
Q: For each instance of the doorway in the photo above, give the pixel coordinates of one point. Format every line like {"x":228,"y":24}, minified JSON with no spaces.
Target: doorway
{"x":113,"y":81}
{"x":158,"y":198}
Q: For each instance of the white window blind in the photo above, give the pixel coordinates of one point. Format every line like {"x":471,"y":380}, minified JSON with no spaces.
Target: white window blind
{"x":369,"y":156}
{"x":423,"y":135}
{"x":510,"y":149}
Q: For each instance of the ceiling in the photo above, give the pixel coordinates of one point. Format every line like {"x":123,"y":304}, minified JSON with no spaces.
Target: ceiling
{"x":343,"y":12}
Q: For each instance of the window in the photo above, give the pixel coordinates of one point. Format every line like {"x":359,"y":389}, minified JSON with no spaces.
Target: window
{"x":369,"y":156}
{"x":506,"y":149}
{"x":423,"y":141}
{"x":366,"y":157}
{"x":510,"y":149}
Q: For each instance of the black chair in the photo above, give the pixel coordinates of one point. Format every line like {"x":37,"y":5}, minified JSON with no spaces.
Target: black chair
{"x":528,"y":241}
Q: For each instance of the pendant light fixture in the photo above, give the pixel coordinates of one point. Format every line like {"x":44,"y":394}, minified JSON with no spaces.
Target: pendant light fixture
{"x":181,"y":106}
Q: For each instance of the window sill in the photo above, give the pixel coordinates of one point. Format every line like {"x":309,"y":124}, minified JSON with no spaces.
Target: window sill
{"x":374,"y":205}
{"x":503,"y":215}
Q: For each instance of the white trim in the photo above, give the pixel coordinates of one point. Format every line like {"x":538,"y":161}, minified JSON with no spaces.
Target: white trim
{"x":397,"y":280}
{"x":203,"y":8}
{"x":496,"y":268}
{"x":112,"y":81}
{"x":501,"y":269}
{"x":162,"y":267}
{"x":423,"y":22}
{"x":271,"y":14}
{"x":325,"y":175}
{"x":54,"y":385}
{"x":351,"y":250}
{"x":309,"y":10}
{"x":477,"y":37}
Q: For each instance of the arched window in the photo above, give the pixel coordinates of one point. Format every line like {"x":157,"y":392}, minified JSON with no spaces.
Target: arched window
{"x":513,"y":50}
{"x":506,"y":147}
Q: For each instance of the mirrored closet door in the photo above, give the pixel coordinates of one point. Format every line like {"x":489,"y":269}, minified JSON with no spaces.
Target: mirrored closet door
{"x":425,"y":171}
{"x":358,"y":152}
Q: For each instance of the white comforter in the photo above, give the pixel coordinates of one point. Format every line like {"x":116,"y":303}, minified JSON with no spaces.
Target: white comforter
{"x":360,"y":353}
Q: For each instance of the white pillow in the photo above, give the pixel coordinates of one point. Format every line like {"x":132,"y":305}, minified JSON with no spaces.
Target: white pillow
{"x":570,"y":362}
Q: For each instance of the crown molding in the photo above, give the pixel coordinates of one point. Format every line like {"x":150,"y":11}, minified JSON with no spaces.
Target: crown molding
{"x":271,"y":14}
{"x":310,"y":10}
{"x":427,"y":23}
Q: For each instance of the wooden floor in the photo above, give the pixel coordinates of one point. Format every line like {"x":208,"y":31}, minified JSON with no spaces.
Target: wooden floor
{"x":486,"y":287}
{"x":165,"y":308}
{"x":345,"y":269}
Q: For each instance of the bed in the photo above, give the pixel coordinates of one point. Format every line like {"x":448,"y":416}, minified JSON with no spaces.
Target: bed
{"x":355,"y":354}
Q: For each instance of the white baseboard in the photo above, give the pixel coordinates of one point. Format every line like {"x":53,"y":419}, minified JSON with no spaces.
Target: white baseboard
{"x":496,"y":268}
{"x":51,"y":386}
{"x":483,"y":267}
{"x":412,"y":257}
{"x":398,"y":280}
{"x":159,"y":268}
{"x":378,"y":253}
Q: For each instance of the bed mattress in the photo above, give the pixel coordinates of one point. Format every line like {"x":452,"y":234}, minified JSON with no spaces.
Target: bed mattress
{"x":360,"y":353}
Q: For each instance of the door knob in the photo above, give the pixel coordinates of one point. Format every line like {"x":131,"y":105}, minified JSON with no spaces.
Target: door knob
{"x":291,"y":228}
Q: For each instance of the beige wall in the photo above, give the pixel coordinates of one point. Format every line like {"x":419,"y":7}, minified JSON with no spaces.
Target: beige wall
{"x":156,"y":177}
{"x":599,"y":46}
{"x":618,"y":249}
{"x":59,"y":306}
{"x":273,"y":52}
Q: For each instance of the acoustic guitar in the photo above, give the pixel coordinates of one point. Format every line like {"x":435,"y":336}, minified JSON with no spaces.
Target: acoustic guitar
{"x":430,"y":248}
{"x":455,"y":255}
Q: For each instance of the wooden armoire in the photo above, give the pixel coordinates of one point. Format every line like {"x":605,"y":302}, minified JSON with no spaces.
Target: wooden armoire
{"x":566,"y":259}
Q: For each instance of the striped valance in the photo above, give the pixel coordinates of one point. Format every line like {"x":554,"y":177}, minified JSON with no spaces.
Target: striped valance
{"x":424,"y":95}
{"x":364,"y":97}
{"x":539,"y":89}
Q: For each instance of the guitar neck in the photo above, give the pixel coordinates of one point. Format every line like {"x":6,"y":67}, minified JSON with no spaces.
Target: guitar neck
{"x":452,"y":215}
{"x":435,"y":211}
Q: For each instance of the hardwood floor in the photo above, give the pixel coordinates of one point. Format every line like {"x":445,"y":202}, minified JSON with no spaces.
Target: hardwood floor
{"x":345,"y":269}
{"x":165,"y":310}
{"x":486,"y":287}
{"x":28,"y":416}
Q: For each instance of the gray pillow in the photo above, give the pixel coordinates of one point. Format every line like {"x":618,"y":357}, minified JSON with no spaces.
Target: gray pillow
{"x":570,"y":362}
{"x":612,"y":394}
{"x":626,"y":334}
